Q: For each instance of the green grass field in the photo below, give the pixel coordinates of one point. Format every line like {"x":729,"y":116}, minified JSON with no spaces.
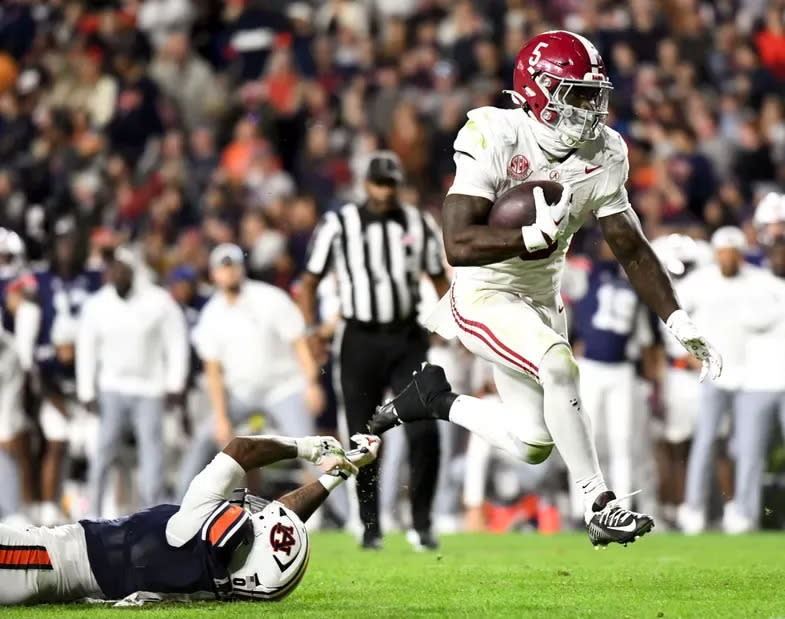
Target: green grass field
{"x":513,"y":576}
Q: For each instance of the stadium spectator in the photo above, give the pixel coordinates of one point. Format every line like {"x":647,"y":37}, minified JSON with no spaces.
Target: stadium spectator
{"x":83,"y":86}
{"x":242,"y":327}
{"x":187,"y":79}
{"x":131,"y":361}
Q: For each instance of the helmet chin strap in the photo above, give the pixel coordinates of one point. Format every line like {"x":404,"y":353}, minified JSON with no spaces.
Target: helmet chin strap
{"x":549,"y":139}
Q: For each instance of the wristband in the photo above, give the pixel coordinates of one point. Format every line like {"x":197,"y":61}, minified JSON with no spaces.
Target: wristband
{"x":533,"y":238}
{"x":677,"y":319}
{"x":311,"y":330}
{"x":304,"y":449}
{"x":330,"y":482}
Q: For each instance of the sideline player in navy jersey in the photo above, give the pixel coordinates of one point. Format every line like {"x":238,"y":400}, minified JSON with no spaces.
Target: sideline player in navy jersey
{"x":228,"y":544}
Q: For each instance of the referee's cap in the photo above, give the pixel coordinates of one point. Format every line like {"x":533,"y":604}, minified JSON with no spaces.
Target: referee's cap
{"x":384,"y":165}
{"x":729,"y":237}
{"x":226,"y":254}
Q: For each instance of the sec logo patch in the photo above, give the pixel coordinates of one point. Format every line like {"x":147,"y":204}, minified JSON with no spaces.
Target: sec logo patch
{"x":519,"y":168}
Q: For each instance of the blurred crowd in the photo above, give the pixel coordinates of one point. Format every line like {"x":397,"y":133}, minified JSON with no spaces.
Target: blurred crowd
{"x":160,"y":129}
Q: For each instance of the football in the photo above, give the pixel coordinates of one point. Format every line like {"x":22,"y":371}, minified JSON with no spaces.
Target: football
{"x":515,"y":207}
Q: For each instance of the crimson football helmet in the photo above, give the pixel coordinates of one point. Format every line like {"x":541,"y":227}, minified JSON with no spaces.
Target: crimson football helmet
{"x":560,"y":79}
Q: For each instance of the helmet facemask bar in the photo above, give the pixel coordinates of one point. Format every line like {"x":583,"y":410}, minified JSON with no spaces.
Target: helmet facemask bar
{"x":576,"y":109}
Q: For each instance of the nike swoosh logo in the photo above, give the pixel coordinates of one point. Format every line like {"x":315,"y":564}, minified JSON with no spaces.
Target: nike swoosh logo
{"x":561,"y":309}
{"x":628,"y":528}
{"x":558,"y":221}
{"x":589,"y":170}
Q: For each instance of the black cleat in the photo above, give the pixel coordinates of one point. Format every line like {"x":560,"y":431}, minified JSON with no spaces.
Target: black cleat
{"x":420,"y":399}
{"x":371,"y":540}
{"x":612,"y":523}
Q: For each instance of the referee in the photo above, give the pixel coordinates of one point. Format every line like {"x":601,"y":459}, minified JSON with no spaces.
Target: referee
{"x":379,"y":251}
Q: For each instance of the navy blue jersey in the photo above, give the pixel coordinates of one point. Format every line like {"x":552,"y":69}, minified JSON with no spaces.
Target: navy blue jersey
{"x":132,"y":553}
{"x":606,"y":316}
{"x":58,"y":378}
{"x":58,"y":295}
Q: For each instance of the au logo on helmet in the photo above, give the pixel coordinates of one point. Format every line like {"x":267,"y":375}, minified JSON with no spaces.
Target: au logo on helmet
{"x":282,"y":538}
{"x":519,"y":168}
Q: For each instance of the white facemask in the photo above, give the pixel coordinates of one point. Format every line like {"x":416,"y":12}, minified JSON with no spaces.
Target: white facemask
{"x":549,"y":139}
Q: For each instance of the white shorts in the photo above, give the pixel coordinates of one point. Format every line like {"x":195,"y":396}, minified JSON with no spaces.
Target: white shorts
{"x":54,"y":425}
{"x":504,"y":327}
{"x":79,"y":429}
{"x":681,"y":396}
{"x":42,"y":564}
{"x":13,"y":421}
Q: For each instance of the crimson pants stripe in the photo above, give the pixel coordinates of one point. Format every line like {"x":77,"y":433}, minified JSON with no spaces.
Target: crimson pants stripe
{"x":471,"y":326}
{"x":479,"y":335}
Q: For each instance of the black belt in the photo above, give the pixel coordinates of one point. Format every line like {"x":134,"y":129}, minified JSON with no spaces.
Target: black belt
{"x":397,"y":326}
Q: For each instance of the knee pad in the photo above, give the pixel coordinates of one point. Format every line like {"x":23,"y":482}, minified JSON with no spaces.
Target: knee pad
{"x":536,"y":454}
{"x":558,"y":366}
{"x":533,"y":452}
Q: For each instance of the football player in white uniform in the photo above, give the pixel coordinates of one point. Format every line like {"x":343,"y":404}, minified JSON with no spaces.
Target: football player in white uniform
{"x":504,"y":303}
{"x":680,"y":391}
{"x":219,"y":543}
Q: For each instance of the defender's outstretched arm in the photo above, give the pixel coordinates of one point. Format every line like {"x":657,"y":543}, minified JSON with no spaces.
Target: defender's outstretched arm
{"x":253,"y":452}
{"x":305,"y":500}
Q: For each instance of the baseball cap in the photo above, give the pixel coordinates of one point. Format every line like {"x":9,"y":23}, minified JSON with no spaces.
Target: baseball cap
{"x":226,"y":254}
{"x":183,"y":273}
{"x":729,"y":237}
{"x":299,"y":10}
{"x":124,"y":256}
{"x":64,"y":226}
{"x":384,"y":165}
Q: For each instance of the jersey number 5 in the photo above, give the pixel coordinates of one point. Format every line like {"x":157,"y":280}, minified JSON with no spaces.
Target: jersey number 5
{"x":536,"y":54}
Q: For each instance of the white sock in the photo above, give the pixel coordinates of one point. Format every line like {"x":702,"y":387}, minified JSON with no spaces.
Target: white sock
{"x":502,"y":426}
{"x":569,"y":426}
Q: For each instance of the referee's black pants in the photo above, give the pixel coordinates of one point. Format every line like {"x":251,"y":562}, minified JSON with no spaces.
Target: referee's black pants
{"x":369,"y":361}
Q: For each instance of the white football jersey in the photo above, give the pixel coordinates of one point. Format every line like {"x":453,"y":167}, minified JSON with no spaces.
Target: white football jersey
{"x":496,"y":149}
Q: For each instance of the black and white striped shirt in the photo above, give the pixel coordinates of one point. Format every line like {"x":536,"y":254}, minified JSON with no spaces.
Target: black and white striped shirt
{"x":378,"y":259}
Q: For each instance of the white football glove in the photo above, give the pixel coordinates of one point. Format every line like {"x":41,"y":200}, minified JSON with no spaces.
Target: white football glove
{"x":684,"y":330}
{"x":338,"y":465}
{"x":550,"y":220}
{"x":317,"y":448}
{"x":366,"y":451}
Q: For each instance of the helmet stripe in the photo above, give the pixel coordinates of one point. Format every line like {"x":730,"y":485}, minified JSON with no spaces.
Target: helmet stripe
{"x":594,"y":55}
